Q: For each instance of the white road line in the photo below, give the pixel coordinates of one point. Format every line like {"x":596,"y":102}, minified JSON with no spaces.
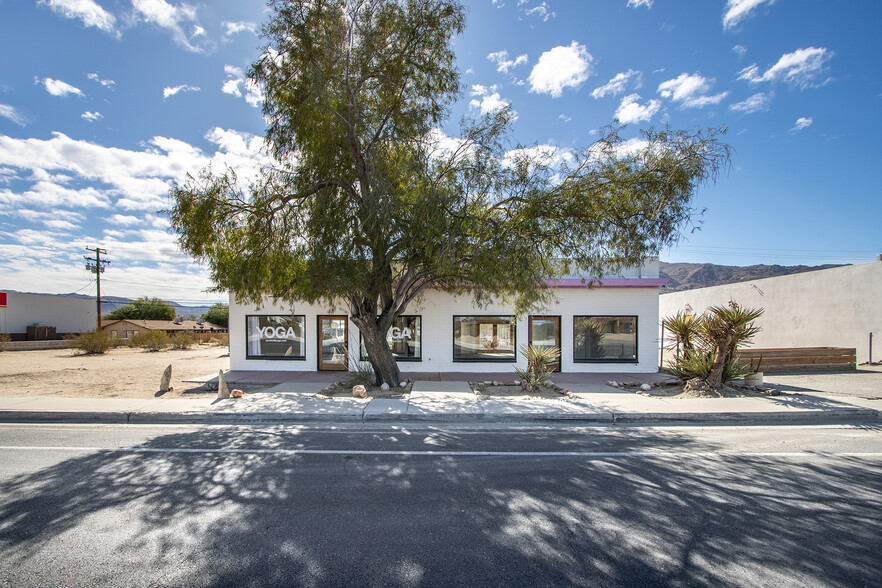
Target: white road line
{"x":431,"y":453}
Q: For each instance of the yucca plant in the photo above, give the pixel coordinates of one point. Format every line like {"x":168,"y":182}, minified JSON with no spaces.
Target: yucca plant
{"x":709,"y":342}
{"x":684,"y":327}
{"x":540,"y":366}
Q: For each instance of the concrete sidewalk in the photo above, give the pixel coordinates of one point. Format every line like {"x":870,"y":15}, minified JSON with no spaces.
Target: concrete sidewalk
{"x":445,"y":401}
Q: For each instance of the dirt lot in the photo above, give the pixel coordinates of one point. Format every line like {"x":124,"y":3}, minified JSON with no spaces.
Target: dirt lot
{"x":120,"y":373}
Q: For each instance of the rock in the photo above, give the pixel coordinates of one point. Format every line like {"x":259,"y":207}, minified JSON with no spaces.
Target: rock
{"x":359,"y":391}
{"x":166,"y":380}
{"x":488,"y":383}
{"x":236,"y":393}
{"x":613,"y":383}
{"x":402,"y":384}
{"x":384,"y":387}
{"x":497,"y":383}
{"x":646,"y":387}
{"x":222,"y":391}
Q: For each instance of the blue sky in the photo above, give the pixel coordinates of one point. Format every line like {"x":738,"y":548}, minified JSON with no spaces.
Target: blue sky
{"x":104,"y":102}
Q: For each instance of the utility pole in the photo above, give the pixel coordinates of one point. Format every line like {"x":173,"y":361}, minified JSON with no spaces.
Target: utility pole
{"x":96,"y":266}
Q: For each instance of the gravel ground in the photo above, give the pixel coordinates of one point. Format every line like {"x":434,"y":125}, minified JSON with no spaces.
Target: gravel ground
{"x":120,"y":373}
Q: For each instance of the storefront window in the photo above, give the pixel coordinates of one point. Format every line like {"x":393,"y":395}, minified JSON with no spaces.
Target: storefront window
{"x":605,"y":338}
{"x":404,"y":339}
{"x":275,"y":337}
{"x":484,"y":338}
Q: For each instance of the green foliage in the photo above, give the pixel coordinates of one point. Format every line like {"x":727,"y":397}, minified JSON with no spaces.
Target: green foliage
{"x":684,"y":327}
{"x":218,"y":314}
{"x":540,"y":366}
{"x":5,"y":339}
{"x":713,"y":338}
{"x":95,"y":342}
{"x":182,"y":341}
{"x":367,"y":204}
{"x":143,"y":309}
{"x":698,"y":363}
{"x":153,"y":340}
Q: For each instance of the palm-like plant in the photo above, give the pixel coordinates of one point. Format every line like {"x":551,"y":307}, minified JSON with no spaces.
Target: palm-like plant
{"x":709,"y":342}
{"x":683,"y":326}
{"x":540,"y":366}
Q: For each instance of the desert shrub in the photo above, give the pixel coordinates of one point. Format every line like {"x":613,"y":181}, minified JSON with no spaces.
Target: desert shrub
{"x":698,"y":363}
{"x":94,"y":342}
{"x":183,"y":341}
{"x":709,"y":343}
{"x":5,"y":338}
{"x":540,"y":366}
{"x":360,"y":372}
{"x":151,"y":340}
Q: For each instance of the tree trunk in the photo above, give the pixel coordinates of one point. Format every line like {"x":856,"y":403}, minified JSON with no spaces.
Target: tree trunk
{"x":715,"y":377}
{"x":379,"y":354}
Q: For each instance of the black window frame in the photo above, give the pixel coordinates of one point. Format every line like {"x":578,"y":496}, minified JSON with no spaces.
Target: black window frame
{"x":608,"y":360}
{"x":362,"y":352}
{"x":507,"y":359}
{"x":277,"y":357}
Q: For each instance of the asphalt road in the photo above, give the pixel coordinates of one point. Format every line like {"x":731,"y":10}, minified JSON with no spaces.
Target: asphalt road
{"x":127,"y":505}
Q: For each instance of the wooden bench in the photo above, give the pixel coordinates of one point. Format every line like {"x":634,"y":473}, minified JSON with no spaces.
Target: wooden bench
{"x":802,"y":358}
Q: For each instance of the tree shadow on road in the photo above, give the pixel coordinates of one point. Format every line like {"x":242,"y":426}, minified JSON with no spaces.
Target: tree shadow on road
{"x":253,"y":515}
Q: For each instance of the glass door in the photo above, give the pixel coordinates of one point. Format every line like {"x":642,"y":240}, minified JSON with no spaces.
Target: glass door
{"x":333,"y":342}
{"x":544,"y":331}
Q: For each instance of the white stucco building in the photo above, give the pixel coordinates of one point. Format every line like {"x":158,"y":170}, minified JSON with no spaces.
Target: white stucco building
{"x":612,"y":327}
{"x":18,"y":311}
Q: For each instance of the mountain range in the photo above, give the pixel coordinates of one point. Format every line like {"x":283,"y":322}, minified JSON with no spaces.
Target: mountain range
{"x":688,"y":276}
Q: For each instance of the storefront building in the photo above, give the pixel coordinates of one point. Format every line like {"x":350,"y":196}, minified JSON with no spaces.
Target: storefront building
{"x":612,"y":327}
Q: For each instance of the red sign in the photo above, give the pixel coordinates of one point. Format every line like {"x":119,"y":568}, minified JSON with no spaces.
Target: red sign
{"x":2,"y":299}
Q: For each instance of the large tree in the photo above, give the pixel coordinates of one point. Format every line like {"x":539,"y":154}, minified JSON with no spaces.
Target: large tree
{"x":369,"y":204}
{"x":143,"y":309}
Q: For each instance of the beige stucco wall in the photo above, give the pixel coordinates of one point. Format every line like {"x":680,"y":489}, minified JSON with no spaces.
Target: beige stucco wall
{"x":837,"y":307}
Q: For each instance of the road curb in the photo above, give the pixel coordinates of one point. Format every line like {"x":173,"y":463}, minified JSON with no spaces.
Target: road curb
{"x":117,"y":417}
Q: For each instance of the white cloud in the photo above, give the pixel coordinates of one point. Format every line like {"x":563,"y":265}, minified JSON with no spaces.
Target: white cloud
{"x":91,"y":116}
{"x":10,"y":113}
{"x":561,"y":67}
{"x":130,"y":180}
{"x":540,"y":11}
{"x":89,"y":12}
{"x":799,"y":69}
{"x":234,"y":28}
{"x":490,"y":103}
{"x":619,"y":83}
{"x":124,"y":220}
{"x":638,"y":3}
{"x":630,"y":111}
{"x":173,"y":19}
{"x":738,"y":10}
{"x":741,"y":50}
{"x":96,"y":78}
{"x":235,"y":78}
{"x":564,"y":118}
{"x":691,"y":91}
{"x":60,"y":224}
{"x":59,"y":88}
{"x":755,"y":103}
{"x":503,"y":63}
{"x":172,"y":90}
{"x":802,"y":122}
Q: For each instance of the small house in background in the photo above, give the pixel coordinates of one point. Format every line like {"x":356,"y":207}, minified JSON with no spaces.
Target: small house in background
{"x":128,"y":328}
